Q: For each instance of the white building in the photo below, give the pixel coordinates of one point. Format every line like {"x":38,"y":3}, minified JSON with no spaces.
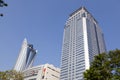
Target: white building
{"x":26,"y":56}
{"x":42,"y":72}
{"x":82,"y":40}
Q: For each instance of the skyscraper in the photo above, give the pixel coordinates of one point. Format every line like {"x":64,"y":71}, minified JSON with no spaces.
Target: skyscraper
{"x":26,"y":57}
{"x":82,"y":40}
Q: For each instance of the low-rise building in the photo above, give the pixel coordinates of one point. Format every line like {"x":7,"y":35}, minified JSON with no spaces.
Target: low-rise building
{"x":42,"y":72}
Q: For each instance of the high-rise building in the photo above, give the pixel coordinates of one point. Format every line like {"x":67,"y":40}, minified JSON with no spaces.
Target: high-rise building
{"x":42,"y":72}
{"x":26,"y":56}
{"x":82,"y":40}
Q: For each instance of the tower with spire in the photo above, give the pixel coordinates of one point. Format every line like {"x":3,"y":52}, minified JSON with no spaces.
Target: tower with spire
{"x":26,"y":56}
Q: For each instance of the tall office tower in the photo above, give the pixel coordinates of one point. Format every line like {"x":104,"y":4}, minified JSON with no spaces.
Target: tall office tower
{"x":26,"y":57}
{"x":82,"y":40}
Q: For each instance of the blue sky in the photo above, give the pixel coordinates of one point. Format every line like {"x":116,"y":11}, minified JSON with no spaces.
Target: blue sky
{"x":42,"y":23}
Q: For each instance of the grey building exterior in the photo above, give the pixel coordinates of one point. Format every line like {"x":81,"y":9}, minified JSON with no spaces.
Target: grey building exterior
{"x":82,"y":40}
{"x":26,"y":57}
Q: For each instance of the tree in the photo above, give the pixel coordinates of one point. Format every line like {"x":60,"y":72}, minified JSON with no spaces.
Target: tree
{"x":106,"y":66}
{"x":2,"y":4}
{"x":11,"y":75}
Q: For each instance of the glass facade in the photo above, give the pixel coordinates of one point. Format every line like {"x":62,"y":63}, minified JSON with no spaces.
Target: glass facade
{"x":82,"y":40}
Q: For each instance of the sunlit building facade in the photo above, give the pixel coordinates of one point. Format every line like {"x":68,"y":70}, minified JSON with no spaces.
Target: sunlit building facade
{"x":82,"y":40}
{"x":26,"y":57}
{"x":42,"y":72}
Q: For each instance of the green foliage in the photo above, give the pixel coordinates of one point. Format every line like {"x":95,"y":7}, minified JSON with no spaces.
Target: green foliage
{"x":2,"y":4}
{"x":11,"y":75}
{"x":106,"y":66}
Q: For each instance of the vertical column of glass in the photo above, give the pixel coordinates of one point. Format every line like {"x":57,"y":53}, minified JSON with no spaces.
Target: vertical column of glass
{"x":70,"y":50}
{"x":100,"y":39}
{"x":80,"y":60}
{"x":71,"y":58}
{"x":73,"y":48}
{"x":65,"y":53}
{"x":92,"y":39}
